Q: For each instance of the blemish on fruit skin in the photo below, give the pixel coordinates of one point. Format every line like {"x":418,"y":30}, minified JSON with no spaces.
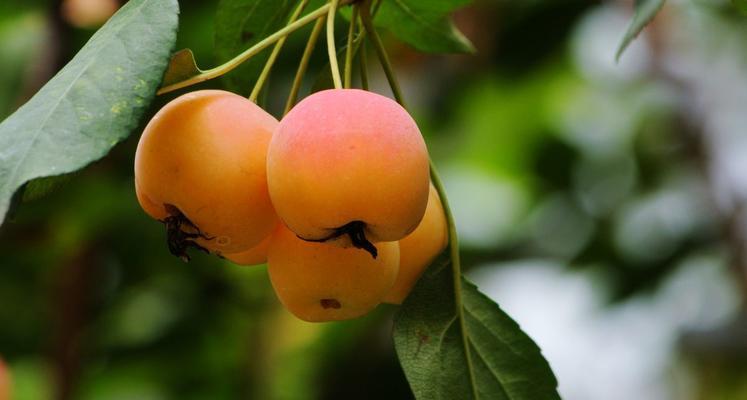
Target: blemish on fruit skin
{"x":330,"y":303}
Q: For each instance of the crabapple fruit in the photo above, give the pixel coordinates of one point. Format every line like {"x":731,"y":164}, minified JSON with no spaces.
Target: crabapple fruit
{"x":348,"y":166}
{"x":254,"y":256}
{"x":200,"y":167}
{"x":88,"y":13}
{"x":322,"y":282}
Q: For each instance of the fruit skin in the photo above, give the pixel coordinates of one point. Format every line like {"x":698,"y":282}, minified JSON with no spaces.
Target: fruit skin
{"x":88,"y":13}
{"x":346,"y":155}
{"x":205,"y":153}
{"x":4,"y":381}
{"x":418,"y":250}
{"x":321,"y":282}
{"x":255,"y":256}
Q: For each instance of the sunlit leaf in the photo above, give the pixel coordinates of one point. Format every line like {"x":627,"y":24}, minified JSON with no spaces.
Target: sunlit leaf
{"x":93,"y":102}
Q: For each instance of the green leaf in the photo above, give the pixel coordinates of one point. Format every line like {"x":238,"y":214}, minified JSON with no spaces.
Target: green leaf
{"x":182,"y":66}
{"x":431,"y":341}
{"x":239,"y":24}
{"x":424,"y":24}
{"x":40,"y":187}
{"x":645,"y":11}
{"x":93,"y":102}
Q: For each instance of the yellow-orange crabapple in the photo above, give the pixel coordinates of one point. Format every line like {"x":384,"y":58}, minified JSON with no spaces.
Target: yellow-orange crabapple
{"x":200,"y":166}
{"x":322,"y":282}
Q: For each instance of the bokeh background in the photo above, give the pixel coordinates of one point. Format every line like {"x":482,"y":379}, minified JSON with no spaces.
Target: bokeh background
{"x":601,"y":204}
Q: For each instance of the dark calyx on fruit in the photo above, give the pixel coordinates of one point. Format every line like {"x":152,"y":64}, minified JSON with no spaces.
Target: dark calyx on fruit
{"x":356,"y":231}
{"x":177,"y":238}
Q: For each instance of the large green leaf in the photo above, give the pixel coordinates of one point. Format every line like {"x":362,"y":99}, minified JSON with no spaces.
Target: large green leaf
{"x":239,"y":24}
{"x":93,"y":102}
{"x":424,"y":24}
{"x":645,"y":11}
{"x":465,"y":347}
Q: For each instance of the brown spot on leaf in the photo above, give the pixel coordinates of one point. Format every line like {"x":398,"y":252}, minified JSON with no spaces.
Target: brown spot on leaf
{"x":246,"y":36}
{"x":422,"y":339}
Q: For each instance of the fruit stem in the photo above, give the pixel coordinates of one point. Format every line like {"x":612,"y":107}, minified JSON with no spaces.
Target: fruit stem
{"x":274,"y":55}
{"x":308,"y":51}
{"x":364,"y":68}
{"x":331,"y":49}
{"x":250,"y":52}
{"x":363,"y":60}
{"x":456,"y":263}
{"x":381,"y":52}
{"x":349,"y":50}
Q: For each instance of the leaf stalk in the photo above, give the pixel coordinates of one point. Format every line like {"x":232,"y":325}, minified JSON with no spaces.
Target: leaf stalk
{"x":304,"y":64}
{"x":249,"y":53}
{"x":331,"y":48}
{"x":274,"y":55}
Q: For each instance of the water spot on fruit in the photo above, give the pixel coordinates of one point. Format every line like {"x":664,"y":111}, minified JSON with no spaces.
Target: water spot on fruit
{"x":330,"y":303}
{"x":223,"y":240}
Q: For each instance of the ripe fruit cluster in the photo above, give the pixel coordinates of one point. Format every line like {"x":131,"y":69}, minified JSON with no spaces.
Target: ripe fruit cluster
{"x":335,"y":197}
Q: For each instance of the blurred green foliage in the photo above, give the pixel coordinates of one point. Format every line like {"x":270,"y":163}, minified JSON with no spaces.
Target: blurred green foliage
{"x":549,"y":150}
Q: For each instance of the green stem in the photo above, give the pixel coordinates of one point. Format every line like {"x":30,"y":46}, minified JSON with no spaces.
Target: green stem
{"x":381,"y":53}
{"x":349,"y":50}
{"x":331,"y":49}
{"x":456,"y":264}
{"x":376,"y":7}
{"x":363,"y":60}
{"x":274,"y":55}
{"x":308,"y":51}
{"x":249,"y":53}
